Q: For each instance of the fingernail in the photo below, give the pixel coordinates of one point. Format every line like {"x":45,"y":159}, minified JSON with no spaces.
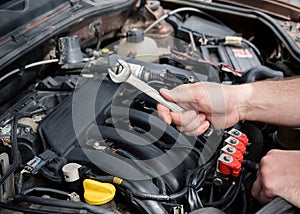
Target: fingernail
{"x":206,"y":125}
{"x":168,"y":121}
{"x":164,"y":90}
{"x":192,"y":114}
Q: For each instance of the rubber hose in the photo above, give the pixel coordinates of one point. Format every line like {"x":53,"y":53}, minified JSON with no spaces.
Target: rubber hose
{"x":277,"y":206}
{"x":260,"y":73}
{"x":65,"y":203}
{"x":28,"y":210}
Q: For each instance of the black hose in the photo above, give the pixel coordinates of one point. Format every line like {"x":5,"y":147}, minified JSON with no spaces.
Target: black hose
{"x":65,"y":204}
{"x":243,"y":204}
{"x":276,"y":206}
{"x":142,"y":195}
{"x":44,"y":189}
{"x":151,"y":173}
{"x":259,"y":73}
{"x":28,"y":210}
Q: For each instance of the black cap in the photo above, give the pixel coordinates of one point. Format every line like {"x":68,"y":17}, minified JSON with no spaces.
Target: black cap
{"x":135,"y":35}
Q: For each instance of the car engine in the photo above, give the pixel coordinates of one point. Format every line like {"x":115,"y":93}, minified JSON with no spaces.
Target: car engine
{"x":74,"y":141}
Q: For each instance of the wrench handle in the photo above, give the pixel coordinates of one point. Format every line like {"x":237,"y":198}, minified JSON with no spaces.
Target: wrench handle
{"x":153,"y":93}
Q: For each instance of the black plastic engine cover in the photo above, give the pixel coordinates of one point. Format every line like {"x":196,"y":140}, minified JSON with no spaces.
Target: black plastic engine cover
{"x":57,"y":130}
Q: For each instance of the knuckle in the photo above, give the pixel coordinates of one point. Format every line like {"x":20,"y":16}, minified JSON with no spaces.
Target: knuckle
{"x":266,"y":160}
{"x":273,"y":152}
{"x":269,"y":189}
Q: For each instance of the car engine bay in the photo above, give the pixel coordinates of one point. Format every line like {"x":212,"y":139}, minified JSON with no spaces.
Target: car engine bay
{"x":73,"y":141}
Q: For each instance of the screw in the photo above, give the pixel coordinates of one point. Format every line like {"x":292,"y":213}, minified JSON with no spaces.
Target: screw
{"x":229,"y":149}
{"x":233,"y":141}
{"x":226,"y":158}
{"x":27,"y":130}
{"x":236,"y":132}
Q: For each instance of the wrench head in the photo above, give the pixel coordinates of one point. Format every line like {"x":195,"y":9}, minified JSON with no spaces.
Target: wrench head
{"x":121,"y":72}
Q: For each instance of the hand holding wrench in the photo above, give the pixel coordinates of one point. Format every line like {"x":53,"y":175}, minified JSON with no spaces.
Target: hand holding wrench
{"x":122,"y":73}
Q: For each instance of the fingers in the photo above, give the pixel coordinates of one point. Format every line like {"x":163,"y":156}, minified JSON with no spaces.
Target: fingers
{"x":164,"y":114}
{"x":259,"y":191}
{"x":200,"y":130}
{"x":190,"y":122}
{"x":179,"y":94}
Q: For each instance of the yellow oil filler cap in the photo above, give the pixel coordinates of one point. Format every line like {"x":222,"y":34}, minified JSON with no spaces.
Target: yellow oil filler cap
{"x":97,"y":193}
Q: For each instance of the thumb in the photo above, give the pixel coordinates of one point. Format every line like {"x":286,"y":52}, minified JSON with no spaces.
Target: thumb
{"x":167,"y":94}
{"x":179,"y":94}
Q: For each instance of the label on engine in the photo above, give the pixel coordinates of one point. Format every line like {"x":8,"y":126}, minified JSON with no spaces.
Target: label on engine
{"x":242,"y":53}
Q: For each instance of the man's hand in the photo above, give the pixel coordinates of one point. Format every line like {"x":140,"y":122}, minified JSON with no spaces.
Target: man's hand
{"x":278,"y":175}
{"x":205,"y":103}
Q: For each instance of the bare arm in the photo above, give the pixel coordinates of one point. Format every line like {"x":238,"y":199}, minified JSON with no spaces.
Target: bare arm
{"x":271,"y":101}
{"x":274,"y":102}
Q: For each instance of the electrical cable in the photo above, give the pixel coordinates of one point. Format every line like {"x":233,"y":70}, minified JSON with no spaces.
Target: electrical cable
{"x":228,"y":204}
{"x":26,"y":67}
{"x":172,"y":13}
{"x":254,"y":48}
{"x":15,"y":150}
{"x":229,"y":199}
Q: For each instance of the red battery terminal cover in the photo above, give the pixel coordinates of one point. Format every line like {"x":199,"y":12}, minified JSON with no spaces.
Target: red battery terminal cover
{"x":227,"y":165}
{"x":232,"y":141}
{"x":239,"y":135}
{"x":233,"y":152}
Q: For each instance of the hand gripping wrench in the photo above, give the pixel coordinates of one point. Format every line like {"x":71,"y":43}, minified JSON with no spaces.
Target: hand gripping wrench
{"x":122,"y":73}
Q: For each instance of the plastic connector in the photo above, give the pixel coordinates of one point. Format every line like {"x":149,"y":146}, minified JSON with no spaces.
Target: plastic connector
{"x":34,"y":165}
{"x":239,"y":135}
{"x":227,"y":165}
{"x":236,"y":144}
{"x":234,"y":41}
{"x":233,"y":152}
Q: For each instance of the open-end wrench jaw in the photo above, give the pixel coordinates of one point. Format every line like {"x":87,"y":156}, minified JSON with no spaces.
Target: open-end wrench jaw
{"x":121,"y":72}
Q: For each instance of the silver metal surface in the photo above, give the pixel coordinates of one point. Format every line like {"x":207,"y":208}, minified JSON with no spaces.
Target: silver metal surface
{"x":122,"y":73}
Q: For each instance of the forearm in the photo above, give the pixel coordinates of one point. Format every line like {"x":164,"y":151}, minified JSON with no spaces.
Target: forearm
{"x":276,"y":102}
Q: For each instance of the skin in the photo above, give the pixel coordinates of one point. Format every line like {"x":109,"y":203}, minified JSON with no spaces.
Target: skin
{"x":271,"y":101}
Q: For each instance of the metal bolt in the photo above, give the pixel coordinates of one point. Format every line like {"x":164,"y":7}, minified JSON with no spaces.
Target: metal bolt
{"x":218,"y":181}
{"x":229,"y":149}
{"x":27,"y":130}
{"x":191,"y":79}
{"x":226,"y":158}
{"x":233,"y":141}
{"x":236,"y":132}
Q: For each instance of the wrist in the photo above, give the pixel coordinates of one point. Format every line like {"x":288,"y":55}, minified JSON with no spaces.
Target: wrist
{"x":240,"y":96}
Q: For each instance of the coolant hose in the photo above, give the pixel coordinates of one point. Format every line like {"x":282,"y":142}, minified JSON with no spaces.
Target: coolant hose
{"x":260,"y":73}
